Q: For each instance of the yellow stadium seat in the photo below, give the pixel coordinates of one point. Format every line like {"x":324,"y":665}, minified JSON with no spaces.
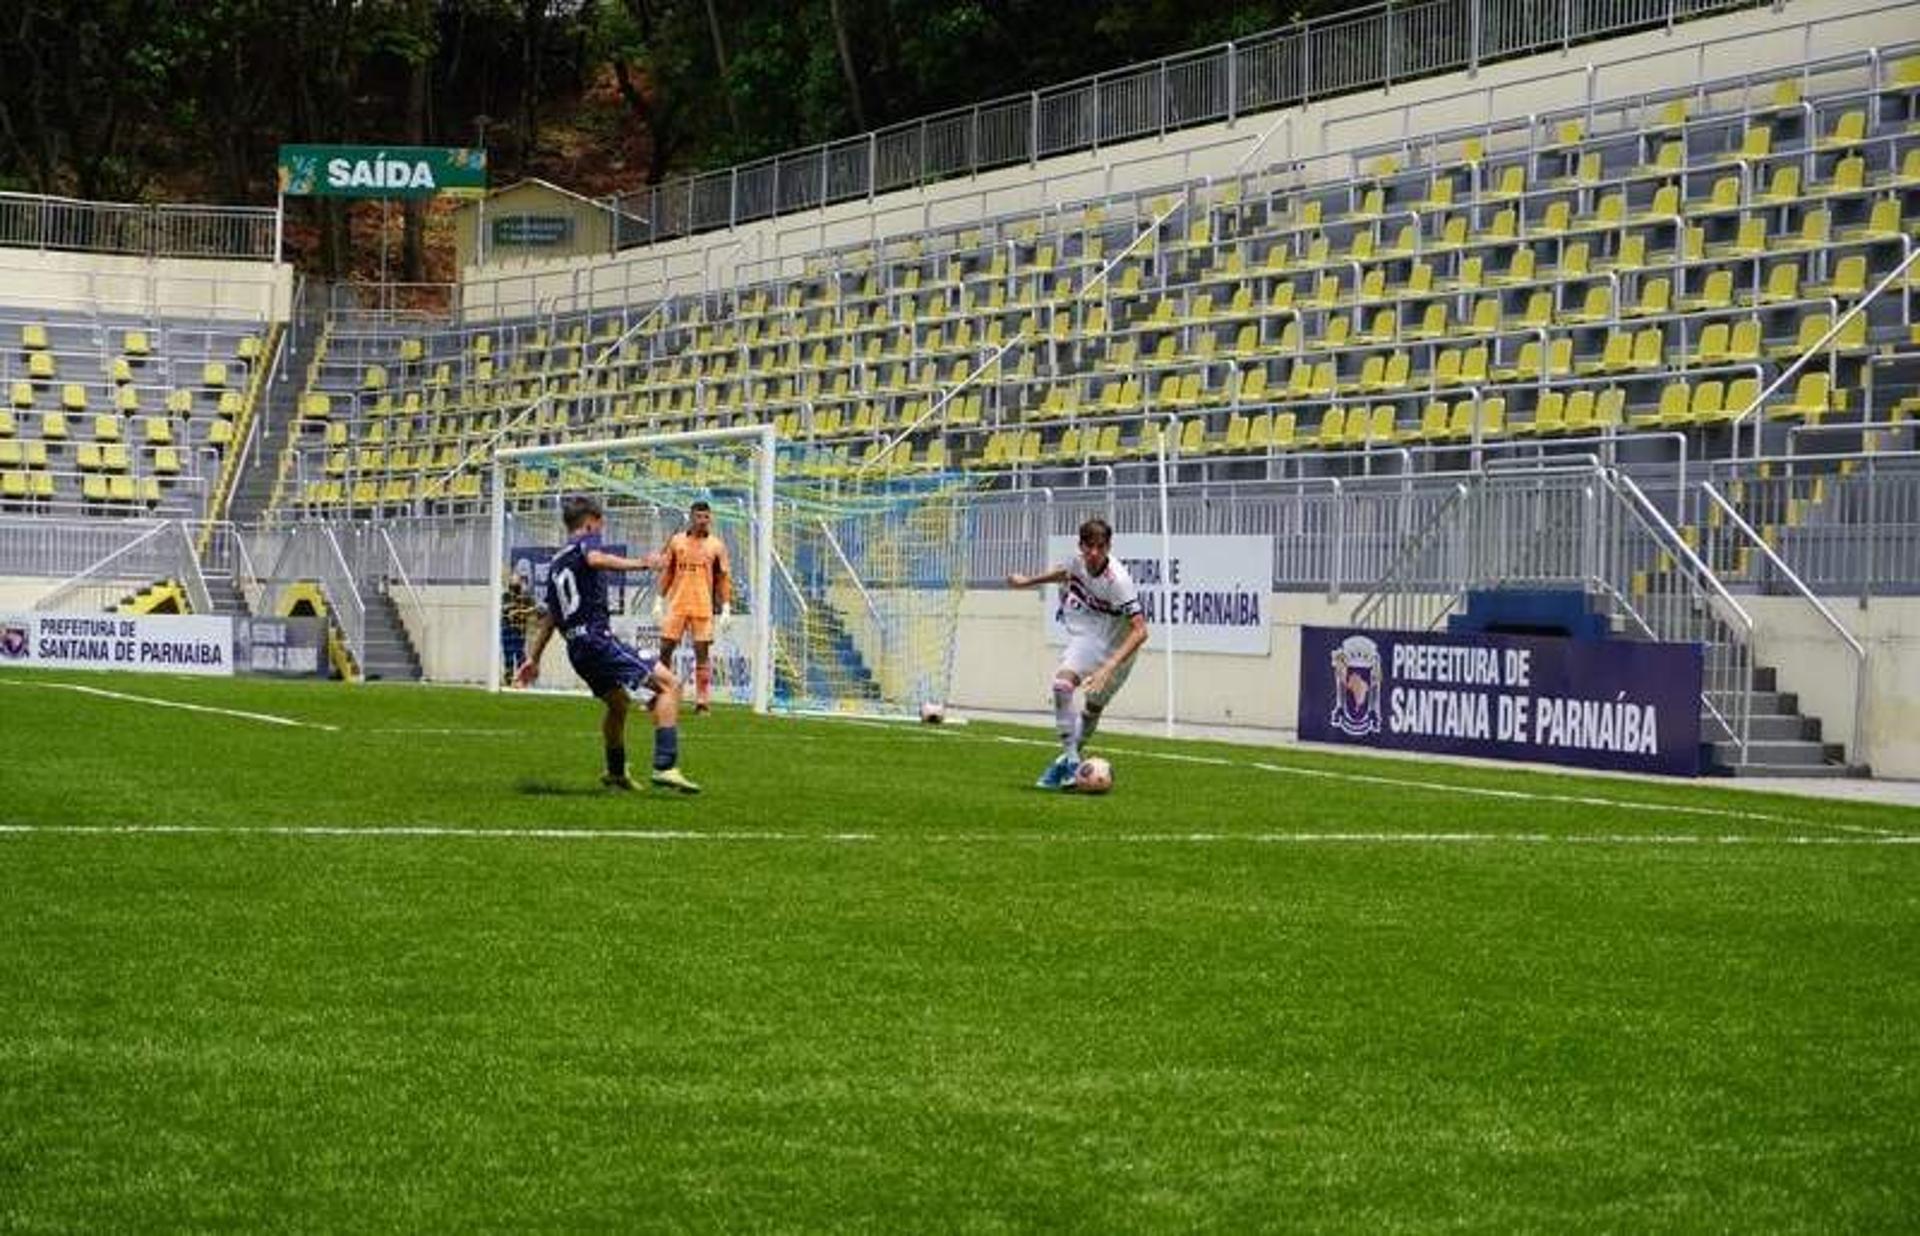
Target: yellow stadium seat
{"x":135,"y":343}
{"x":1850,"y":130}
{"x":214,"y":374}
{"x":1549,"y":416}
{"x":1812,"y":399}
{"x":40,"y":365}
{"x":21,"y":394}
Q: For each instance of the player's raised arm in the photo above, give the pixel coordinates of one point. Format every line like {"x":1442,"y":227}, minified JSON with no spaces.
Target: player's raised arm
{"x":601,"y":560}
{"x":1057,"y":575}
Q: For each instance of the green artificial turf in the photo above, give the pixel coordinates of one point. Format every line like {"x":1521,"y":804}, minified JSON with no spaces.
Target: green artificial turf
{"x":872,"y":981}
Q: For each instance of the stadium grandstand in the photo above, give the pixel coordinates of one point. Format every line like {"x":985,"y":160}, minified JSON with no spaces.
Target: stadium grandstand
{"x":1676,"y":255}
{"x":1321,"y":632}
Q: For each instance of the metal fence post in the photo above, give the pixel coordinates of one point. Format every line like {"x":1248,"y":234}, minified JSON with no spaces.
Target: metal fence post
{"x":1233,"y":84}
{"x":733,"y":198}
{"x":1475,"y":19}
{"x":1033,"y":129}
{"x":921,"y":177}
{"x":1093,"y":105}
{"x":1163,"y":98}
{"x":1566,"y":25}
{"x":873,"y":165}
{"x":1388,"y":54}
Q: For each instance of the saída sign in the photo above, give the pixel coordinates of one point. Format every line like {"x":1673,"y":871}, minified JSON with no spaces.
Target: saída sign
{"x":1616,"y":704}
{"x":382,"y":171}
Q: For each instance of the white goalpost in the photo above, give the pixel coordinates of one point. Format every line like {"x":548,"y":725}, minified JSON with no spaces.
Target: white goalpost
{"x":764,"y":441}
{"x":850,"y":582}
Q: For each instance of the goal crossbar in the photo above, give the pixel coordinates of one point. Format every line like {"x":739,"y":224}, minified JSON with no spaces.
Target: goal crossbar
{"x":767,"y":439}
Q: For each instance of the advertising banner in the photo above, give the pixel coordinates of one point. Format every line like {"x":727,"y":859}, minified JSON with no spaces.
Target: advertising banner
{"x":1613,"y":704}
{"x":286,"y":647}
{"x":140,"y":643}
{"x":382,"y":171}
{"x":1217,"y":592}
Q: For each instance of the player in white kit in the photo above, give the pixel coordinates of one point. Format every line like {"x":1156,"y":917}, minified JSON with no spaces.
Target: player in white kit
{"x":1105,"y":628}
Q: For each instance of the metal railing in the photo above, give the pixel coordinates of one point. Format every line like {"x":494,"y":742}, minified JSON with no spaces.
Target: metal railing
{"x":1337,"y":54}
{"x":158,"y":552}
{"x":1738,"y":535}
{"x":1582,"y":527}
{"x":406,"y":599}
{"x":154,"y":230}
{"x":1847,"y":524}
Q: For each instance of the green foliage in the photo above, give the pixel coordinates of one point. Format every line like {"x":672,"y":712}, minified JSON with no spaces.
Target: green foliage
{"x":103,"y":97}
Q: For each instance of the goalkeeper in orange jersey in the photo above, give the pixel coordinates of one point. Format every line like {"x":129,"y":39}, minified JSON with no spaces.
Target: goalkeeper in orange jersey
{"x":696,"y":577}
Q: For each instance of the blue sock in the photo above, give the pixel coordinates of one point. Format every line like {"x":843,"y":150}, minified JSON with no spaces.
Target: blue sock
{"x":616,"y":761}
{"x":666,"y":747}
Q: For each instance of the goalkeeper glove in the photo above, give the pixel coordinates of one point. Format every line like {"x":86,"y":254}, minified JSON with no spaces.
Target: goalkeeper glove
{"x":726,"y":617}
{"x":659,"y":605}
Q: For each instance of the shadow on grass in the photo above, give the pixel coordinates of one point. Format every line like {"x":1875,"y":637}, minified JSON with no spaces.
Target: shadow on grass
{"x":568,"y":789}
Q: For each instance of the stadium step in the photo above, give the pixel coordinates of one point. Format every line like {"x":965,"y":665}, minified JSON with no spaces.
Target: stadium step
{"x":253,"y":490}
{"x":226,"y":598}
{"x":387,"y":652}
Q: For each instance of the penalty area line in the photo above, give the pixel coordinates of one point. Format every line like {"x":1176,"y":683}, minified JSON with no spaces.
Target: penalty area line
{"x":265,"y":718}
{"x":771,"y":837}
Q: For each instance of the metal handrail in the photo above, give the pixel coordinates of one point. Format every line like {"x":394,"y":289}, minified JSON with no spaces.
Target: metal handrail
{"x":479,"y":452}
{"x":947,"y":397}
{"x":1800,"y":362}
{"x":53,"y":599}
{"x":1650,"y":517}
{"x":1677,"y":544}
{"x":1216,"y":83}
{"x":356,"y":632}
{"x":198,"y":598}
{"x":1363,"y":612}
{"x":46,"y":221}
{"x":858,"y":583}
{"x":400,"y":569}
{"x":1820,"y":607}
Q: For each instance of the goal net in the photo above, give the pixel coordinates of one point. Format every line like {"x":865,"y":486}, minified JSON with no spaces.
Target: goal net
{"x":845,"y":590}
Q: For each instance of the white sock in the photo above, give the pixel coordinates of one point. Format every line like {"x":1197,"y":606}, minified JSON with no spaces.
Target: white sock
{"x":1066,"y":717}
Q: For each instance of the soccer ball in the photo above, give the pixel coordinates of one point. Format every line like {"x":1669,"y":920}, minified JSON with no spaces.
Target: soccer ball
{"x":1094,"y":776}
{"x":933,"y":713}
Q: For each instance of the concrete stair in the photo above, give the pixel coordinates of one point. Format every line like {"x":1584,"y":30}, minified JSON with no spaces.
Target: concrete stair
{"x":388,"y":654}
{"x":1781,"y":741}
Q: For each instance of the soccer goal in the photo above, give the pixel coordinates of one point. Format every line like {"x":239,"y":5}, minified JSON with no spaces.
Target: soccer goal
{"x":845,"y":588}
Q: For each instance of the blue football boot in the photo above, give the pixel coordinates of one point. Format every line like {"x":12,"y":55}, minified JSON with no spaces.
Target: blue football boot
{"x":1059,"y":774}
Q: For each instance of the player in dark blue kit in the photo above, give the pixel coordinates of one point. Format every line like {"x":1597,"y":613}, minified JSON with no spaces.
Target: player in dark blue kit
{"x":575,"y":604}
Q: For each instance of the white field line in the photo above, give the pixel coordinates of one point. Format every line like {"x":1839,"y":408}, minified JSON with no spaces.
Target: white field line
{"x":1576,"y":800}
{"x":266,"y":718}
{"x":759,"y":837}
{"x":1572,"y":800}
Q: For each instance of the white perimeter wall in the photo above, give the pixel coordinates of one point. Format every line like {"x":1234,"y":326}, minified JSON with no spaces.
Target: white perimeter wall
{"x":1003,"y":662}
{"x":23,"y":592}
{"x":1752,"y":41}
{"x":164,"y":287}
